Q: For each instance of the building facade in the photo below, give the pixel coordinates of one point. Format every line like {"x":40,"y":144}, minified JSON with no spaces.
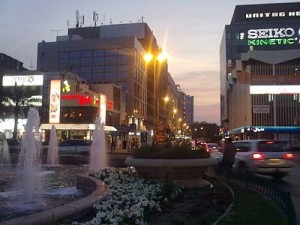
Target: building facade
{"x":259,"y":63}
{"x":110,"y":54}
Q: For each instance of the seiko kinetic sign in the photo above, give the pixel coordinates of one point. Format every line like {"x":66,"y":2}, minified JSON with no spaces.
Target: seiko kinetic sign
{"x":273,"y":36}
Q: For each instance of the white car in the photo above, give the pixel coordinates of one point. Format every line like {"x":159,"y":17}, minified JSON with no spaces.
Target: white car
{"x":262,"y":156}
{"x":212,"y":148}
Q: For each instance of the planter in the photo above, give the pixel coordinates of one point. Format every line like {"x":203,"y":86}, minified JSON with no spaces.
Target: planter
{"x":185,"y":172}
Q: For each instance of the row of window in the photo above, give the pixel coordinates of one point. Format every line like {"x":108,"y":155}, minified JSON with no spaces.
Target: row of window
{"x":87,"y":57}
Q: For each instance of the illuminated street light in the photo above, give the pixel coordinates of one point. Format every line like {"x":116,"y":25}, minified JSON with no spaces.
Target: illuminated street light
{"x":154,"y":58}
{"x":166,"y":99}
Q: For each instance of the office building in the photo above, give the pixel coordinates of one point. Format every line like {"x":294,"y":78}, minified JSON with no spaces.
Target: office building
{"x":259,"y":78}
{"x":113,"y":54}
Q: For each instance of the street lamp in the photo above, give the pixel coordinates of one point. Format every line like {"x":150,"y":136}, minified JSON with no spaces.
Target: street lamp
{"x":149,"y":57}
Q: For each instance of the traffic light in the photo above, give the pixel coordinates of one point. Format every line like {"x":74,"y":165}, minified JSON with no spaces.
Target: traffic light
{"x":251,"y":131}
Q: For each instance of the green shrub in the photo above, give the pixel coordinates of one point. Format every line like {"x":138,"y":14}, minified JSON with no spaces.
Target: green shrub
{"x":181,"y":152}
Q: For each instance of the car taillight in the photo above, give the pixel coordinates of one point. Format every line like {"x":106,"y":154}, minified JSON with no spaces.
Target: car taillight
{"x":288,"y":156}
{"x":258,"y":156}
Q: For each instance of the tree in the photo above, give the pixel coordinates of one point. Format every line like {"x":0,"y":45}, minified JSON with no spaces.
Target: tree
{"x":14,"y":101}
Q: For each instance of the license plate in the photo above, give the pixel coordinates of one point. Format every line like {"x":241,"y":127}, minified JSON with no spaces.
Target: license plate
{"x":275,"y":161}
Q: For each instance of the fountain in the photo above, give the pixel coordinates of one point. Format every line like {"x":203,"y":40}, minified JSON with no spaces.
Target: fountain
{"x":46,"y":194}
{"x":52,"y":158}
{"x":29,"y":159}
{"x":4,"y":153}
{"x":98,"y":155}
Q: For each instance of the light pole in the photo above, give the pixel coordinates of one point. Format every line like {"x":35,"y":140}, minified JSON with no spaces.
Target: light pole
{"x":149,"y":57}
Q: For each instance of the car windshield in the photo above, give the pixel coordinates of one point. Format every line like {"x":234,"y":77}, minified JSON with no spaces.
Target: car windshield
{"x":273,"y":146}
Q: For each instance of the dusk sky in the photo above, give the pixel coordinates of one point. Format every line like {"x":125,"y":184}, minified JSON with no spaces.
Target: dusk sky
{"x":189,"y":31}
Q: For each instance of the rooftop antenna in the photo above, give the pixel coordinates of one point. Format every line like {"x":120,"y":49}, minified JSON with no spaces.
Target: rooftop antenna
{"x":141,"y":20}
{"x":68,"y":24}
{"x":77,"y":18}
{"x":95,"y":18}
{"x":57,"y":31}
{"x":110,"y":20}
{"x":82,"y":20}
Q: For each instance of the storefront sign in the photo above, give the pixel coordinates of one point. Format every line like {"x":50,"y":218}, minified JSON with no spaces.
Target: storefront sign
{"x":28,"y":80}
{"x":102,"y":109}
{"x":274,"y":89}
{"x":84,"y":100}
{"x":54,"y":106}
{"x":264,"y":109}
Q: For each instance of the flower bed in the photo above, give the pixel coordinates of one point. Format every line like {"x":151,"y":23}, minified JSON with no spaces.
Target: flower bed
{"x":130,"y":200}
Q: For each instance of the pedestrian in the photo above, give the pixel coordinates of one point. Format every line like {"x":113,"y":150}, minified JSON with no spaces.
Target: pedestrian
{"x":124,"y":144}
{"x":112,"y":145}
{"x":229,"y":153}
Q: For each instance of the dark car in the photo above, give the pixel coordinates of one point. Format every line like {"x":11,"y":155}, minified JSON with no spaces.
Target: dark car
{"x":75,"y":146}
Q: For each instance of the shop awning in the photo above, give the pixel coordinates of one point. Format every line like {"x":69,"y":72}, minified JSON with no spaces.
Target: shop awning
{"x":69,"y":126}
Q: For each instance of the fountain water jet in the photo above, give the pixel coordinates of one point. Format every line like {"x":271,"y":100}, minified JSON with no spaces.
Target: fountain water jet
{"x":98,"y":155}
{"x":29,"y":162}
{"x":52,"y":158}
{"x":4,"y":152}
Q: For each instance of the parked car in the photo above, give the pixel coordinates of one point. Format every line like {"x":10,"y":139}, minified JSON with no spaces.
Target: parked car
{"x":266,"y":157}
{"x":75,"y":146}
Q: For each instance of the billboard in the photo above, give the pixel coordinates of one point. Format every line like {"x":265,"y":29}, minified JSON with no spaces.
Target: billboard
{"x":54,"y":104}
{"x":102,"y":109}
{"x":26,"y":80}
{"x":274,"y":89}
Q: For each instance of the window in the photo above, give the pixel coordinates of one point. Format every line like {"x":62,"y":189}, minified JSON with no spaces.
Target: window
{"x":242,"y":146}
{"x":85,"y":73}
{"x":123,"y":59}
{"x":110,"y":57}
{"x":98,"y":57}
{"x":74,"y":58}
{"x":85,"y":57}
{"x":63,"y":58}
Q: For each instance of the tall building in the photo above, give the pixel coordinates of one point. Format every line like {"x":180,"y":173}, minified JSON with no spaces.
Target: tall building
{"x":189,"y":109}
{"x":259,"y":64}
{"x":113,"y":54}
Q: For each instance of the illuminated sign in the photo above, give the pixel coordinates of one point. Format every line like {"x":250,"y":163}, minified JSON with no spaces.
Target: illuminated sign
{"x":28,"y":80}
{"x":271,"y":33}
{"x":272,"y":14}
{"x":271,"y":36}
{"x":84,"y":100}
{"x":102,"y":109}
{"x":66,"y":86}
{"x":274,"y":89}
{"x":54,"y":106}
{"x":81,"y":99}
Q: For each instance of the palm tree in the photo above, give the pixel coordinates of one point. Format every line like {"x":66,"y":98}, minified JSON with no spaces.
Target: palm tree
{"x":14,"y":101}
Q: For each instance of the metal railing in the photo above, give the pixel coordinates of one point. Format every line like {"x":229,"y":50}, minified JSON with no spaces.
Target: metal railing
{"x":272,"y":191}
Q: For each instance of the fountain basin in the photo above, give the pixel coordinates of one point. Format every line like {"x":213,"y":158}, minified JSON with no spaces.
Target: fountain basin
{"x":96,"y":189}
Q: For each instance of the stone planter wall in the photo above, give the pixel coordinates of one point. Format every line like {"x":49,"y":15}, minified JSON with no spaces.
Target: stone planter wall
{"x":187,"y":172}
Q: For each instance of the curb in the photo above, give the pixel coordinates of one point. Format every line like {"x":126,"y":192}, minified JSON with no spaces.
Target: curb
{"x":229,"y":207}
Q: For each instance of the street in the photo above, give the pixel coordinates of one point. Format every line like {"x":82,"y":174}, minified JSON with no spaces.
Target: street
{"x":291,"y":183}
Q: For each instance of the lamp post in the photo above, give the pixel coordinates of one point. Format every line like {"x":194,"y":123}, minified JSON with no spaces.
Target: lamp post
{"x":149,"y":57}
